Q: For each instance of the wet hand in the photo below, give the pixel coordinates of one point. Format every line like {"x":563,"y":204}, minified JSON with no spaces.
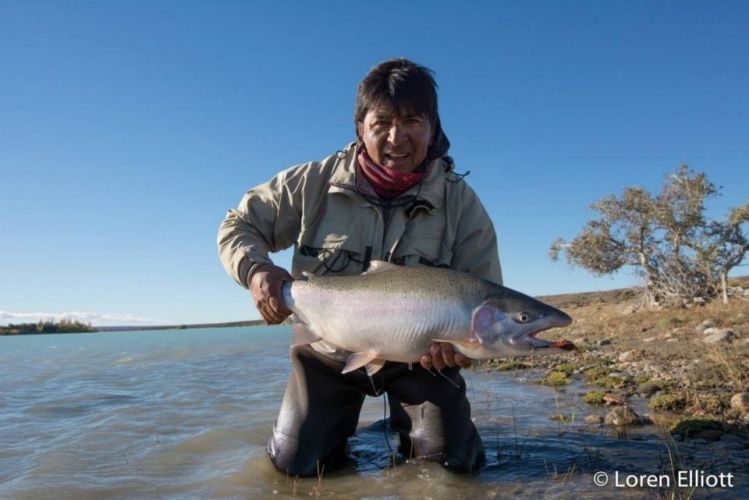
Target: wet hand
{"x":266,"y":287}
{"x":442,"y":354}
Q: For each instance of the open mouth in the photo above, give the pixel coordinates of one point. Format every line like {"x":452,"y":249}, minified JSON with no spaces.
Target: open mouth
{"x":396,"y":156}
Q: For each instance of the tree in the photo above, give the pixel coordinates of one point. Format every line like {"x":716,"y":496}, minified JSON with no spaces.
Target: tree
{"x":665,"y":236}
{"x":726,"y":245}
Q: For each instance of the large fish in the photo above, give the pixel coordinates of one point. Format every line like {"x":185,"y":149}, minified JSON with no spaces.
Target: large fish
{"x":394,"y":313}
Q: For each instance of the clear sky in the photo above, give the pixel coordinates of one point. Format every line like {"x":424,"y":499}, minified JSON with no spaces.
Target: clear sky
{"x":128,"y":128}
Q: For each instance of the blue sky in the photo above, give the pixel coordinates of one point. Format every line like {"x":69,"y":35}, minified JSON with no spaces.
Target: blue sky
{"x":128,"y":128}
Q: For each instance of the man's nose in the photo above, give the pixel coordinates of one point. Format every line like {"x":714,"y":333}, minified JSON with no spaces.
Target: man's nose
{"x":397,"y":133}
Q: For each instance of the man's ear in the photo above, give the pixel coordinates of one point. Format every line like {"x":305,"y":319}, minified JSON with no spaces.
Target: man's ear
{"x":440,"y":144}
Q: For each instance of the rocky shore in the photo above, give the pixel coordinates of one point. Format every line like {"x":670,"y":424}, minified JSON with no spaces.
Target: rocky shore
{"x":689,"y":362}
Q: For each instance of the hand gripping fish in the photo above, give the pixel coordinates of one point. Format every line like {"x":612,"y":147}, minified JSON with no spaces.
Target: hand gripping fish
{"x":394,"y":313}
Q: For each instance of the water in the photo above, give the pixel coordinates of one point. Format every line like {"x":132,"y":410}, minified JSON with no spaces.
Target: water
{"x":186,"y":414}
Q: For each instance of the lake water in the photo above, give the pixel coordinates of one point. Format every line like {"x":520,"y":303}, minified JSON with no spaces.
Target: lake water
{"x":187,"y":413}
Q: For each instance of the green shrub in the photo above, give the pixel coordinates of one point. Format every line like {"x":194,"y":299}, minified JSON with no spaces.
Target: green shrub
{"x":667,"y":401}
{"x":594,"y":398}
{"x":668,"y":322}
{"x":555,"y":379}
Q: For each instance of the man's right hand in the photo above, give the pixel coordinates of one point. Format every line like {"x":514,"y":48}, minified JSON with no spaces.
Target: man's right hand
{"x":266,"y":287}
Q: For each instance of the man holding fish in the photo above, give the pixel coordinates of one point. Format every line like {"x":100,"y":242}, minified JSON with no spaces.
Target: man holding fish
{"x":389,"y":198}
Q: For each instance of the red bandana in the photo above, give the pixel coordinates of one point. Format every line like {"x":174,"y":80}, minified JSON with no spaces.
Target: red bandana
{"x":387,"y":182}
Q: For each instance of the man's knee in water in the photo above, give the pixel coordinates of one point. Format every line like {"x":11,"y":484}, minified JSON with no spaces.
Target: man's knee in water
{"x":288,"y":457}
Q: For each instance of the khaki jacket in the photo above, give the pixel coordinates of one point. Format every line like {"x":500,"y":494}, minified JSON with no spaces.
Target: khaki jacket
{"x":336,"y":227}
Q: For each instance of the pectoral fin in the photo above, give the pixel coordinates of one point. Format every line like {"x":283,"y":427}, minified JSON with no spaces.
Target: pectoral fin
{"x":303,"y":335}
{"x":359,"y":359}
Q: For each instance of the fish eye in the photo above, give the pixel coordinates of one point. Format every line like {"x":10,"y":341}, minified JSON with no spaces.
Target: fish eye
{"x":523,"y":317}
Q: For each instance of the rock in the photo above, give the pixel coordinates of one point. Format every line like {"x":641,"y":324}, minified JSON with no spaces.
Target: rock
{"x":648,"y":389}
{"x":717,"y":335}
{"x":628,"y":356}
{"x":708,"y":323}
{"x":713,"y":330}
{"x":621,"y":415}
{"x":603,"y":342}
{"x":650,"y":339}
{"x":740,"y":402}
{"x":615,"y":399}
{"x":594,"y":419}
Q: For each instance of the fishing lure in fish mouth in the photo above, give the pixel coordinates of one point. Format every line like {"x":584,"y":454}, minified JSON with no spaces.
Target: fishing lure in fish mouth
{"x":565,"y":345}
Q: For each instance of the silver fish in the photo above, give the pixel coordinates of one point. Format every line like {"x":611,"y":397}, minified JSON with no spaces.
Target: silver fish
{"x":394,"y":313}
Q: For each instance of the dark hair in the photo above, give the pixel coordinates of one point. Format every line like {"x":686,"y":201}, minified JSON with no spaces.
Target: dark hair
{"x":402,"y":85}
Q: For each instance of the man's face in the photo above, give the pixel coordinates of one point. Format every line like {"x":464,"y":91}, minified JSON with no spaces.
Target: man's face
{"x":396,"y":141}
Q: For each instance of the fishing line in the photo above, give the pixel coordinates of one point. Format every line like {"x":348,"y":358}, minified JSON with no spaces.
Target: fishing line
{"x":377,"y":392}
{"x":436,"y":372}
{"x":385,"y":423}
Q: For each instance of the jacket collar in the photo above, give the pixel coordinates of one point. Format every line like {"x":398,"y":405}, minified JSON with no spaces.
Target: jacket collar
{"x":428,"y":194}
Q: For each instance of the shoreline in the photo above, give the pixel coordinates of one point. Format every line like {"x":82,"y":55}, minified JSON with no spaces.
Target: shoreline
{"x":134,"y":328}
{"x":228,"y":324}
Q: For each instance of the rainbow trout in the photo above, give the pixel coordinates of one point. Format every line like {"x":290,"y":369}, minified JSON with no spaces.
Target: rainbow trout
{"x":394,"y":313}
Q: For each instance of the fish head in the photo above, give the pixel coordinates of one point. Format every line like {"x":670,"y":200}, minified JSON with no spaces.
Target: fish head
{"x":507,"y":326}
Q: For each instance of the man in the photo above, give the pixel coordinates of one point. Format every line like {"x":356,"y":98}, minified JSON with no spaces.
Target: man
{"x":392,"y":195}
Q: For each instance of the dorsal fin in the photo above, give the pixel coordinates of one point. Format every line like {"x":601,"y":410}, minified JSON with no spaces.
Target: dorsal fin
{"x":380,"y":266}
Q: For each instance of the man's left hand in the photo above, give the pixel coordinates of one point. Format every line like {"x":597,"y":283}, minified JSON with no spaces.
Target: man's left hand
{"x":442,"y":354}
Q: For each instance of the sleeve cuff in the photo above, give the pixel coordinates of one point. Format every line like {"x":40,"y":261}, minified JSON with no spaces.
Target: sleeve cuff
{"x":253,"y":266}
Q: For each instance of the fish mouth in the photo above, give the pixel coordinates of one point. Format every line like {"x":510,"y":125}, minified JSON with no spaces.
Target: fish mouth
{"x":558,"y":320}
{"x":563,"y":344}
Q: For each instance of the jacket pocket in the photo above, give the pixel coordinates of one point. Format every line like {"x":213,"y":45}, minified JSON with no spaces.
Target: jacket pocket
{"x":423,"y":246}
{"x":330,"y":252}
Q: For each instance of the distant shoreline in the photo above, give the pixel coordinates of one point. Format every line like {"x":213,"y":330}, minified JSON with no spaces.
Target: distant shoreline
{"x":232,"y":324}
{"x":134,"y":328}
